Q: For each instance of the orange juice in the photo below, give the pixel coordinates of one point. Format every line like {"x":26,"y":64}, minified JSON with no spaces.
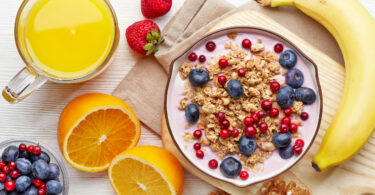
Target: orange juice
{"x":69,"y":38}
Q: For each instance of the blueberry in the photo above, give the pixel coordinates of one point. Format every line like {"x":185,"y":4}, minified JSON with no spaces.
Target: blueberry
{"x":3,"y":192}
{"x":285,"y":97}
{"x":10,"y":153}
{"x":54,"y":171}
{"x":31,"y":191}
{"x":192,"y":113}
{"x":1,"y":186}
{"x":54,"y":187}
{"x":286,"y":152}
{"x":25,"y":155}
{"x":44,"y":156}
{"x":306,"y":95}
{"x":247,"y":145}
{"x":281,"y":139}
{"x":234,"y":88}
{"x":294,"y":78}
{"x":230,"y":167}
{"x":23,"y":166}
{"x":22,"y":183}
{"x":199,"y":77}
{"x":288,"y":59}
{"x":40,"y":169}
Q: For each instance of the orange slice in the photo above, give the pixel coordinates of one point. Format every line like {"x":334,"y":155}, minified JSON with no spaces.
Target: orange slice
{"x":94,"y":128}
{"x":146,"y":170}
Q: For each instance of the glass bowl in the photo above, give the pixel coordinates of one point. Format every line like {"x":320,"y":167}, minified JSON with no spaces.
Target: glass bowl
{"x":64,"y":178}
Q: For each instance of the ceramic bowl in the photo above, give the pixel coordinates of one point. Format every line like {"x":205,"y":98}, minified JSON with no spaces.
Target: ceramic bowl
{"x":176,"y":121}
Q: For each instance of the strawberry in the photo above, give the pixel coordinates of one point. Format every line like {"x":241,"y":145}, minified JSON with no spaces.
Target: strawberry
{"x":144,"y":37}
{"x":155,"y":8}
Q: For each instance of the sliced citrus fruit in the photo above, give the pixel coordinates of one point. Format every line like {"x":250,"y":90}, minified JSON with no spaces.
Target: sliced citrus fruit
{"x":146,"y":170}
{"x":94,"y":128}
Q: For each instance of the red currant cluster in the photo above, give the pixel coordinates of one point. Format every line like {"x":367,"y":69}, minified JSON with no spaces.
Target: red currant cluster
{"x":210,"y":46}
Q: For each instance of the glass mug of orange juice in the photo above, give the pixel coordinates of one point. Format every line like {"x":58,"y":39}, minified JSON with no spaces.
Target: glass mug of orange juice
{"x":64,"y":41}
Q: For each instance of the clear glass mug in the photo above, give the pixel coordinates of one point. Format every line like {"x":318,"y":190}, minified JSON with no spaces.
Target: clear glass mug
{"x":32,"y":76}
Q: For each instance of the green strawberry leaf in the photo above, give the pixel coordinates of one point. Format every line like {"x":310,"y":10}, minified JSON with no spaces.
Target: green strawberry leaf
{"x":149,"y":37}
{"x":148,"y":46}
{"x":149,"y":52}
{"x":155,"y":34}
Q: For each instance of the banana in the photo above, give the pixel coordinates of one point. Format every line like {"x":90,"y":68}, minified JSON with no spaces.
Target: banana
{"x":354,"y":30}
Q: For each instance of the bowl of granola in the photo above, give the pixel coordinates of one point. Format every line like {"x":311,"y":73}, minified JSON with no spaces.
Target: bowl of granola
{"x":243,"y":104}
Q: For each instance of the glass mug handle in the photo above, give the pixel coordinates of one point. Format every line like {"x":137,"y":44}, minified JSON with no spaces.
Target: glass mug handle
{"x":22,"y":85}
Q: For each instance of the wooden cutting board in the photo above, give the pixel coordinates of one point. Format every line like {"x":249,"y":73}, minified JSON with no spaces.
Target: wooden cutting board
{"x":357,"y":176}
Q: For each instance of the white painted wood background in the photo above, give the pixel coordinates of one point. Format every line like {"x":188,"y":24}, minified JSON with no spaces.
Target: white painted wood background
{"x":36,"y":117}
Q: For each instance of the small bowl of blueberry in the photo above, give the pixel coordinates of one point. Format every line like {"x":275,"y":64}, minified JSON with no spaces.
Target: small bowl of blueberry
{"x":29,"y":168}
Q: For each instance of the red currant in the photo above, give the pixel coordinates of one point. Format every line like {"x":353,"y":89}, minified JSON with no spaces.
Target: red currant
{"x":9,"y":185}
{"x":255,"y":117}
{"x":2,"y":164}
{"x":38,"y":183}
{"x":30,"y":149}
{"x":246,"y":43}
{"x":12,"y":165}
{"x":197,"y":134}
{"x":3,"y":177}
{"x":261,"y":114}
{"x":248,"y":121}
{"x":220,"y":116}
{"x":222,"y":79}
{"x":275,"y":86}
{"x":22,"y":147}
{"x":304,"y":116}
{"x":284,"y":128}
{"x":286,"y":120}
{"x":297,"y":149}
{"x":250,"y":131}
{"x":223,"y":62}
{"x":278,"y":48}
{"x":266,"y":104}
{"x":235,"y":133}
{"x":244,"y":175}
{"x":225,"y":124}
{"x":288,"y":111}
{"x":42,"y":191}
{"x":37,"y":150}
{"x":43,"y":186}
{"x":224,"y":133}
{"x":197,"y":146}
{"x":293,"y":128}
{"x":6,"y":170}
{"x":274,"y":112}
{"x":263,"y":127}
{"x":213,"y":164}
{"x":199,"y":154}
{"x":14,"y":174}
{"x":202,"y":58}
{"x":210,"y":46}
{"x":299,"y":142}
{"x":241,"y":72}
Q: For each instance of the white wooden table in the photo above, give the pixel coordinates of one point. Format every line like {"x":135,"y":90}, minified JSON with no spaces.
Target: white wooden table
{"x":36,"y":117}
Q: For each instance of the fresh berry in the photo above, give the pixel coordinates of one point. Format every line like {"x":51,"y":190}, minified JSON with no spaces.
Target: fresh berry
{"x":144,"y":37}
{"x":42,"y":191}
{"x":3,"y":177}
{"x":38,"y":183}
{"x":2,"y":164}
{"x":40,"y":169}
{"x":10,"y":153}
{"x":246,"y":43}
{"x":22,"y":147}
{"x":199,"y":154}
{"x":37,"y":150}
{"x":224,"y":133}
{"x":192,"y":56}
{"x":54,"y":171}
{"x":255,"y":117}
{"x":202,"y":58}
{"x":155,"y":8}
{"x":286,"y":120}
{"x":12,"y":165}
{"x":288,"y":59}
{"x":6,"y":170}
{"x":278,"y":48}
{"x":286,"y":152}
{"x":266,"y":104}
{"x":248,"y":121}
{"x":241,"y":72}
{"x":222,"y":79}
{"x":250,"y":131}
{"x":263,"y":127}
{"x":299,"y":142}
{"x":197,"y":146}
{"x":54,"y":187}
{"x":294,"y":78}
{"x":247,"y":145}
{"x":9,"y":185}
{"x":275,"y":86}
{"x":223,"y":62}
{"x":284,"y":128}
{"x":235,"y":133}
{"x":210,"y":46}
{"x":213,"y":164}
{"x":293,"y":128}
{"x":304,"y":116}
{"x":14,"y":174}
{"x":288,"y":111}
{"x":261,"y":114}
{"x":23,"y":166}
{"x":274,"y":112}
{"x":31,"y":191}
{"x":192,"y":113}
{"x":285,"y":96}
{"x":44,"y":156}
{"x":244,"y":175}
{"x":197,"y":134}
{"x":225,"y":124}
{"x":297,"y":150}
{"x":220,"y":116}
{"x":234,"y":88}
{"x":306,"y":95}
{"x":43,"y":186}
{"x":230,"y":167}
{"x":199,"y":77}
{"x":281,"y":140}
{"x":30,"y":149}
{"x":22,"y":183}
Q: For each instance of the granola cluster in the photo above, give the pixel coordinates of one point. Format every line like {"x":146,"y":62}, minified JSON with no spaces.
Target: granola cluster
{"x":278,"y":186}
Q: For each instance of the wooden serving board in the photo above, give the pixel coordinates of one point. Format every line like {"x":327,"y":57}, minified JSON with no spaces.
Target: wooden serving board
{"x":356,"y":176}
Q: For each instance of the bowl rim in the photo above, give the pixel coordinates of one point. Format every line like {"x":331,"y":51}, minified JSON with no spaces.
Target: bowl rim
{"x":238,"y":28}
{"x":57,"y":158}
